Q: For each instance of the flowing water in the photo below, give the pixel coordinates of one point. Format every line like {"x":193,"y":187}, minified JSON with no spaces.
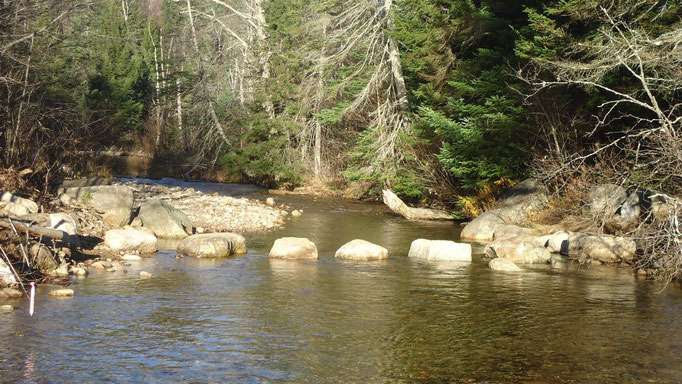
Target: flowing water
{"x":250,"y":319}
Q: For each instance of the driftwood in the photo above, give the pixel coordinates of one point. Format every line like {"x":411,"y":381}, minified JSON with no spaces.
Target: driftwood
{"x":399,"y":207}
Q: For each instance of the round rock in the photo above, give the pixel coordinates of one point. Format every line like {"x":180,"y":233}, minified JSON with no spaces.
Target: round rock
{"x":212,"y":245}
{"x":294,"y":248}
{"x":361,"y":250}
{"x":62,"y":292}
{"x":439,"y":250}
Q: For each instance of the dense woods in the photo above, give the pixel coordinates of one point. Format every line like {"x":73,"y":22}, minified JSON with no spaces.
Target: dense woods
{"x":443,"y":101}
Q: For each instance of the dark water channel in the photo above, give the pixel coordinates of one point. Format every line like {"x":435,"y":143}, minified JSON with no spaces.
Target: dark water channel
{"x":250,"y":319}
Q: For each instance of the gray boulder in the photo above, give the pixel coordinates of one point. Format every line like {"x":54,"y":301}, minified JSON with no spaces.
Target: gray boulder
{"x":13,"y":205}
{"x":293,"y":248}
{"x":399,"y":207}
{"x":606,"y":198}
{"x":504,"y":265}
{"x":361,"y":250}
{"x":42,"y":258}
{"x":521,"y":250}
{"x":212,"y":245}
{"x":483,"y":227}
{"x":65,"y":223}
{"x":86,"y":182}
{"x":130,"y":239}
{"x":166,"y":221}
{"x":608,"y":249}
{"x":114,"y":201}
{"x":439,"y":250}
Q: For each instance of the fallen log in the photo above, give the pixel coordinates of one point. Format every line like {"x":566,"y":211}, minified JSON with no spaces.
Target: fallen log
{"x":399,"y":207}
{"x":35,"y":230}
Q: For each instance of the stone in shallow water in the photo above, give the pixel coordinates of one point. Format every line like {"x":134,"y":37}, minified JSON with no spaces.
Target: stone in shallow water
{"x":145,"y":275}
{"x":10,"y":293}
{"x":504,"y":265}
{"x":361,"y":250}
{"x":130,"y":239}
{"x":62,"y":292}
{"x":294,"y":248}
{"x":439,"y":250}
{"x":129,"y":257}
{"x":212,"y":245}
{"x":6,"y":308}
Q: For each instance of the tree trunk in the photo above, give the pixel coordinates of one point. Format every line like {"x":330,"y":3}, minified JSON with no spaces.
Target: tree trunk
{"x":394,"y":58}
{"x":211,"y":109}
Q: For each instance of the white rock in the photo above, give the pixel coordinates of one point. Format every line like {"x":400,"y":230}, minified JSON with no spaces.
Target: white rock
{"x":270,"y":202}
{"x":6,"y":308}
{"x":294,"y":248}
{"x":440,"y":250}
{"x":130,"y":239}
{"x":522,"y":250}
{"x":145,"y":275}
{"x":17,"y":206}
{"x":361,"y":250}
{"x":129,"y":257}
{"x":6,"y":275}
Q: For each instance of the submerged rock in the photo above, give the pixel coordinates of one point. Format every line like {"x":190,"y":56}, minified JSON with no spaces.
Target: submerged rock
{"x":13,"y":205}
{"x":504,"y":265}
{"x":294,"y":248}
{"x":361,"y":250}
{"x":114,"y":201}
{"x":166,"y":221}
{"x":130,"y":239}
{"x":439,"y":250}
{"x":62,"y":292}
{"x":399,"y":207}
{"x":212,"y":245}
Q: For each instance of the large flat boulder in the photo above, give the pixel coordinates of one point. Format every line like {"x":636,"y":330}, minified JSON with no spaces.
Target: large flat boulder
{"x":13,"y":205}
{"x":439,"y":250}
{"x":166,"y":221}
{"x":114,"y":201}
{"x":361,"y":250}
{"x":521,"y":250}
{"x":130,"y":239}
{"x":483,"y":227}
{"x":294,"y":248}
{"x":398,"y":206}
{"x":212,"y":245}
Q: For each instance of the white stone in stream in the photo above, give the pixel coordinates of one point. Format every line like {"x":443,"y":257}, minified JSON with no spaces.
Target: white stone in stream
{"x":293,"y":248}
{"x":62,"y":292}
{"x":361,"y":250}
{"x":6,"y":308}
{"x":129,"y":257}
{"x":130,"y":239}
{"x":295,"y":213}
{"x":17,"y":206}
{"x":212,"y":245}
{"x":145,"y":275}
{"x":79,"y":271}
{"x":6,"y":275}
{"x":504,"y":265}
{"x":440,"y":250}
{"x":270,"y":202}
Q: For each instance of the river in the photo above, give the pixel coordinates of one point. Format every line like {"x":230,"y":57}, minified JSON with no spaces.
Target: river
{"x":254,"y":320}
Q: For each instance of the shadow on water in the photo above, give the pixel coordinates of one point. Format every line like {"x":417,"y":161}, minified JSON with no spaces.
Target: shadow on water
{"x":252,"y":319}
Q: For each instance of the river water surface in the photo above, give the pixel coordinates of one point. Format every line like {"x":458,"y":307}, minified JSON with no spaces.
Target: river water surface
{"x":251,"y":319}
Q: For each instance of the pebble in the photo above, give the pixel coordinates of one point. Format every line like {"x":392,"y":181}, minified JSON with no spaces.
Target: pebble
{"x":145,"y":275}
{"x":296,"y":213}
{"x":62,"y":292}
{"x":6,"y":308}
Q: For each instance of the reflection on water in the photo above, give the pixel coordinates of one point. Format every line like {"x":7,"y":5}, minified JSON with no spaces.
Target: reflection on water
{"x":252,"y":319}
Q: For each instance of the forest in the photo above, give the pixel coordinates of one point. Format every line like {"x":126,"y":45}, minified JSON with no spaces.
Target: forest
{"x":446,"y":102}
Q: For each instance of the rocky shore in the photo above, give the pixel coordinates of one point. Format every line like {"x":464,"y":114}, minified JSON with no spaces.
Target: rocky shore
{"x":105,"y":223}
